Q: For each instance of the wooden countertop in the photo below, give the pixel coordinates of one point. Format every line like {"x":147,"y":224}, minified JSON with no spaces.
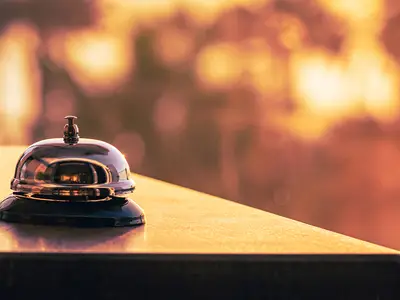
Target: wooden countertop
{"x":180,"y":221}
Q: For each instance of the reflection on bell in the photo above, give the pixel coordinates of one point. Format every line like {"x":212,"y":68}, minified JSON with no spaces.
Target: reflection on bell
{"x":72,"y":181}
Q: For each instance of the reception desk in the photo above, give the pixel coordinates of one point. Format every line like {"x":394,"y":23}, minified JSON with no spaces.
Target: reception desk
{"x":193,"y":244}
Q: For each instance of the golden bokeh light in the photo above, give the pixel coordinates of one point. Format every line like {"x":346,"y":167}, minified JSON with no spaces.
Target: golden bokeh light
{"x":359,"y":80}
{"x":219,"y":66}
{"x":355,"y":10}
{"x":123,"y":13}
{"x":321,"y":84}
{"x":19,"y":81}
{"x":98,"y":59}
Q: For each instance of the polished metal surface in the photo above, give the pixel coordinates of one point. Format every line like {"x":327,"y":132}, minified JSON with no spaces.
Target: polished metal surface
{"x":72,"y":169}
{"x":71,"y":131}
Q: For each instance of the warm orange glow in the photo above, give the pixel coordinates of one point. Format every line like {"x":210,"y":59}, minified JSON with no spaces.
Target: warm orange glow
{"x":355,"y":10}
{"x":361,"y":80}
{"x":124,"y":13}
{"x":379,"y":84}
{"x":204,"y":11}
{"x":321,"y":83}
{"x":13,"y":86}
{"x":174,"y":45}
{"x":219,"y":66}
{"x":98,"y":59}
{"x":19,"y":81}
{"x":259,"y":66}
{"x":293,"y":32}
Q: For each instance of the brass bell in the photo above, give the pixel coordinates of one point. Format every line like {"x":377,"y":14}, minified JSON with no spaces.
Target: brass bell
{"x":72,"y":181}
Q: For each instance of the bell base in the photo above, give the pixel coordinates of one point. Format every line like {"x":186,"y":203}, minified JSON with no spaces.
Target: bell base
{"x":113,"y":213}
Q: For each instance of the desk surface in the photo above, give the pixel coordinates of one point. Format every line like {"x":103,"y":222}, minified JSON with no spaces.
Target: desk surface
{"x":179,"y":220}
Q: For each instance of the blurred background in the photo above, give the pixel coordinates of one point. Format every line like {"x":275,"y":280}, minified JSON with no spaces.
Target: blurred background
{"x":290,"y":106}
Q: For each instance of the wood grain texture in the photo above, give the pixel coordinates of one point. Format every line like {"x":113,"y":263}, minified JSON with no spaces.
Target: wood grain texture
{"x":179,"y":220}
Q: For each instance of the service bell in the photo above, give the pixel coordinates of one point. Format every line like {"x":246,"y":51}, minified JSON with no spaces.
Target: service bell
{"x":74,"y":181}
